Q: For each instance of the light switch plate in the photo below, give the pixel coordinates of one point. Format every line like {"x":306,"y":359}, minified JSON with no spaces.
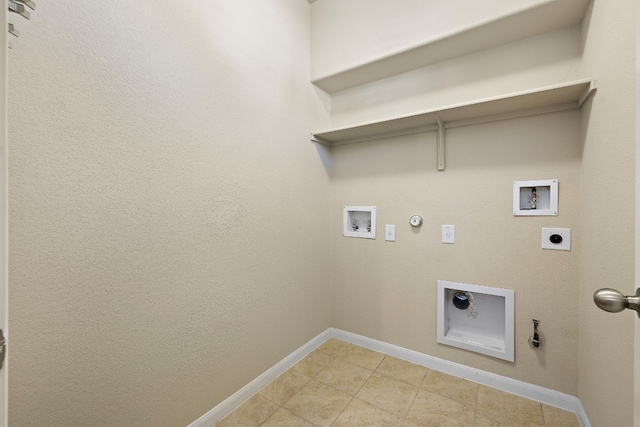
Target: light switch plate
{"x":564,"y":233}
{"x":390,"y":232}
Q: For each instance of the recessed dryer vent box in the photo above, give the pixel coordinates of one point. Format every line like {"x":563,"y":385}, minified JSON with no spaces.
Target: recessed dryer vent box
{"x":535,"y":198}
{"x":359,"y":221}
{"x":484,"y":324}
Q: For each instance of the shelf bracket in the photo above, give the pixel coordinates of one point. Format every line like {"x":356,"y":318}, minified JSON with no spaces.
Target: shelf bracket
{"x":440,"y":142}
{"x":319,"y":140}
{"x":588,"y":91}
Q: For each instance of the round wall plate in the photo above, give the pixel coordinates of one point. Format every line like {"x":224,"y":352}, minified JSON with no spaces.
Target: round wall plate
{"x":415,"y":221}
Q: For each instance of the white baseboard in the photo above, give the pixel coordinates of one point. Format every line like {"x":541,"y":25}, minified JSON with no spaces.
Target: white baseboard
{"x":509,"y":385}
{"x":582,"y":415}
{"x":238,"y":398}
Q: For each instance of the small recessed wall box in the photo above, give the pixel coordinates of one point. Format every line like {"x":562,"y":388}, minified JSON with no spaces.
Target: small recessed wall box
{"x":359,"y":221}
{"x":556,"y":238}
{"x":535,"y":198}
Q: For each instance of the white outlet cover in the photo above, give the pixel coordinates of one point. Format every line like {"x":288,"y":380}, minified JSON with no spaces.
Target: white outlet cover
{"x":565,"y":245}
{"x":448,"y":234}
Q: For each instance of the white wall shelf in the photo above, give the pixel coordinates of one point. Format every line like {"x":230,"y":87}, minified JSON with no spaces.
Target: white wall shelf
{"x":550,"y":16}
{"x":560,"y":97}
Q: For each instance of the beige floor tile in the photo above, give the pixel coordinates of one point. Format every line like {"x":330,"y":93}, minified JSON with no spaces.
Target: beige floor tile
{"x":333,"y":347}
{"x":284,"y":418}
{"x":315,"y":362}
{"x":284,"y":387}
{"x":363,"y":357}
{"x":387,"y":393}
{"x":344,"y":376}
{"x":452,"y":387}
{"x":319,"y":392}
{"x":515,"y":408}
{"x":485,"y":419}
{"x":554,"y":417}
{"x":251,"y":413}
{"x":318,"y":403}
{"x":402,"y":370}
{"x":359,"y":413}
{"x":431,"y":409}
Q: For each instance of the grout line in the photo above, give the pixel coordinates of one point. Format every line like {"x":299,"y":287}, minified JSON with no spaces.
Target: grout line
{"x":404,"y":420}
{"x":475,"y":411}
{"x":274,"y":412}
{"x":354,"y":395}
{"x":342,"y":412}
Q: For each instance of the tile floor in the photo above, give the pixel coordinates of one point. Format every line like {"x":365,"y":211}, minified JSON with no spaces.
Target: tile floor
{"x":341,"y":384}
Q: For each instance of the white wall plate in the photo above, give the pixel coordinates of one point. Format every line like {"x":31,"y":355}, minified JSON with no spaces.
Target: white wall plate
{"x":359,"y":221}
{"x":535,"y":198}
{"x":556,"y":238}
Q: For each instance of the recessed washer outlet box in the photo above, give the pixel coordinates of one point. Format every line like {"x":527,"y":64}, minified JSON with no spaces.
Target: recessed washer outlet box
{"x":535,"y":198}
{"x":359,"y":221}
{"x":486,"y":326}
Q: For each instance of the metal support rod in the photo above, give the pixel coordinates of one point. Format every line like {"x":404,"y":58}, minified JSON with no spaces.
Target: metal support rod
{"x":30,"y":3}
{"x":18,"y":8}
{"x":13,"y":31}
{"x":440,"y":142}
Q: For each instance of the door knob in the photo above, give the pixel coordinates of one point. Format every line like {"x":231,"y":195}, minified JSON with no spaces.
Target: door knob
{"x":613,"y":301}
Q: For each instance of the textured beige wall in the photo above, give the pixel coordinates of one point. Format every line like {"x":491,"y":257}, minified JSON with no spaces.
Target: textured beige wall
{"x":392,"y":297}
{"x":636,"y":350}
{"x":547,"y":59}
{"x":387,"y":290}
{"x":607,"y":211}
{"x":168,"y":213}
{"x":350,"y":33}
{"x":169,"y":220}
{"x":592,"y":152}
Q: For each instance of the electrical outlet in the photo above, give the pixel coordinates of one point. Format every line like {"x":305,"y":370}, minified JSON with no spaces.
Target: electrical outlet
{"x":448,"y":234}
{"x":556,"y":238}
